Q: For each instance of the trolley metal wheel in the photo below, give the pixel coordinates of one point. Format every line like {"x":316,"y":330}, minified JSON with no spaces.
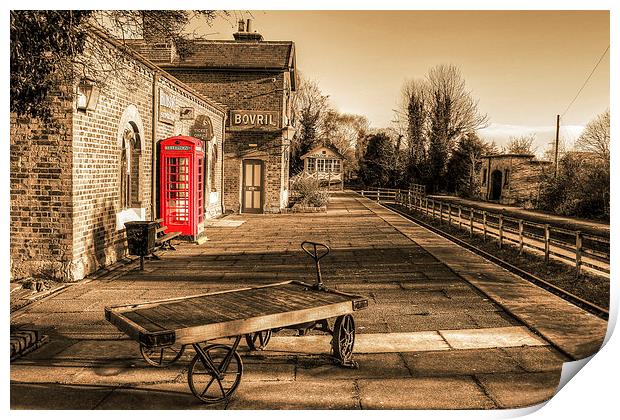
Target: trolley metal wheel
{"x":343,"y":339}
{"x":258,"y":340}
{"x":215,"y":373}
{"x":161,"y":356}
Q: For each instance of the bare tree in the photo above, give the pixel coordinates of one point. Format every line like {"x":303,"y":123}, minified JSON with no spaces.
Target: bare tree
{"x":595,"y":137}
{"x":453,"y":114}
{"x":521,"y":145}
{"x":344,"y":132}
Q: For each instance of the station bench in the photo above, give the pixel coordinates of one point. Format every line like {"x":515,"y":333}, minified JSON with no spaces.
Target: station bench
{"x":164,"y":240}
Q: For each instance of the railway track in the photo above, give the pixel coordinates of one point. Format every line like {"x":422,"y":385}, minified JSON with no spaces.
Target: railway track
{"x":575,"y":300}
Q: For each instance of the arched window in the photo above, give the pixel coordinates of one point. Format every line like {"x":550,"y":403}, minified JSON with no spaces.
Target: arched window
{"x":130,"y":167}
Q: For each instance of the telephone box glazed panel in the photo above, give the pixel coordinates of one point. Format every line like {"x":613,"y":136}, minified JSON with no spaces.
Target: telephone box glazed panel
{"x":181,"y":185}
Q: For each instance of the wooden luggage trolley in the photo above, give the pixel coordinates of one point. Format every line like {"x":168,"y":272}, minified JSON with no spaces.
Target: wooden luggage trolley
{"x":164,"y":328}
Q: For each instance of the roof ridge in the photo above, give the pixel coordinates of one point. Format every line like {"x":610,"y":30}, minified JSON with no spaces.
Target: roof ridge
{"x":232,"y":41}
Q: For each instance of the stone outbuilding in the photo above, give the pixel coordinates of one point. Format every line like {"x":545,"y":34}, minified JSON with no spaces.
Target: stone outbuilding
{"x":74,"y":183}
{"x":512,"y":178}
{"x":326,"y":164}
{"x":255,"y":79}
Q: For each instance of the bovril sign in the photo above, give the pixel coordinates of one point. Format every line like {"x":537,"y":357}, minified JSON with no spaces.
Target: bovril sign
{"x":254,"y":119}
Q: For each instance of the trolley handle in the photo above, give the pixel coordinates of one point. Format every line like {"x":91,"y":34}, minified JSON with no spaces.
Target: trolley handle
{"x":311,"y":249}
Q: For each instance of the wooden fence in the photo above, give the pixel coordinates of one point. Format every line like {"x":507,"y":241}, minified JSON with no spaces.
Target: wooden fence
{"x":574,"y":247}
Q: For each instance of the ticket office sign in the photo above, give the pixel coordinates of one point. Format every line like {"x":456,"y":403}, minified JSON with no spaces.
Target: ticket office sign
{"x":250,"y":119}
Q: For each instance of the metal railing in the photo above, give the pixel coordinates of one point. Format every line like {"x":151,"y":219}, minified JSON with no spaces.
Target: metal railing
{"x":570,"y":246}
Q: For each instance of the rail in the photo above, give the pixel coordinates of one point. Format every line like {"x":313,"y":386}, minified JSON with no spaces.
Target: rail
{"x":573,"y":247}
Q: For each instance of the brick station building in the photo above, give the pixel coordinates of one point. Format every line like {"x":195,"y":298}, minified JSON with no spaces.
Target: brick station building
{"x":512,"y":178}
{"x":255,"y":79}
{"x":74,"y":185}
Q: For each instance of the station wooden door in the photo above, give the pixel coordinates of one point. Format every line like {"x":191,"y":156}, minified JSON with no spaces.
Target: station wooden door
{"x":252,"y":190}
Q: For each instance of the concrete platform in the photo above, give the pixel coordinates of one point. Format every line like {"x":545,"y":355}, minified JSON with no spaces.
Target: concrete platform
{"x":444,"y":329}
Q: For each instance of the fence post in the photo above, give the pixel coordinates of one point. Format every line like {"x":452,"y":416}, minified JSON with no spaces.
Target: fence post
{"x":449,"y":214}
{"x":362,"y":193}
{"x":460,"y":220}
{"x":440,"y":212}
{"x":484,"y":225}
{"x":378,"y":194}
{"x":546,"y":243}
{"x":471,"y":222}
{"x":500,"y":224}
{"x":578,"y":251}
{"x":426,"y":205}
{"x":520,"y":236}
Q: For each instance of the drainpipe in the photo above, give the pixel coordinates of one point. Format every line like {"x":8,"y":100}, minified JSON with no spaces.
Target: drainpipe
{"x":222,"y":164}
{"x":154,"y":149}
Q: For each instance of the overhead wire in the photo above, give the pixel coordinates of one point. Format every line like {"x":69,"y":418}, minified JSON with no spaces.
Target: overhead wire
{"x":586,"y":82}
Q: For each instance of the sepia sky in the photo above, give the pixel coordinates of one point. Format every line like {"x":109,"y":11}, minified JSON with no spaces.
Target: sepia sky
{"x":524,"y":67}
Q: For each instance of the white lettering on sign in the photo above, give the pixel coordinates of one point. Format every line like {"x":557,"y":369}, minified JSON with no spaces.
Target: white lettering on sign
{"x":258,"y":119}
{"x":166,"y":99}
{"x":167,"y":107}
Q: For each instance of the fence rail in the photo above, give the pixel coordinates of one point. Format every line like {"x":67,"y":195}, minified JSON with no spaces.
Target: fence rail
{"x":573,"y":247}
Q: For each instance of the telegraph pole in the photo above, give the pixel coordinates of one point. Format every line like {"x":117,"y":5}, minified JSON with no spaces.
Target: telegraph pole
{"x":557,"y":141}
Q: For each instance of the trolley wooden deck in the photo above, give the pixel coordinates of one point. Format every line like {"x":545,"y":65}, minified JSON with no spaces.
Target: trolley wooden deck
{"x":253,"y":312}
{"x":229,"y":313}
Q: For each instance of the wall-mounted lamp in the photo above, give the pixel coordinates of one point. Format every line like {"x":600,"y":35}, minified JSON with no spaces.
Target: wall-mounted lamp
{"x":87,"y":95}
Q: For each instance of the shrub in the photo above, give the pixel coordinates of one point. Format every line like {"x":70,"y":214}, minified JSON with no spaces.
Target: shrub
{"x":307,"y":191}
{"x":580,"y":189}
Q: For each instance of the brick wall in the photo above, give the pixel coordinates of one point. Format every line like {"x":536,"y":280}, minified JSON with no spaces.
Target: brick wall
{"x":98,"y":233}
{"x":41,"y":193}
{"x":67,"y":217}
{"x":248,"y":90}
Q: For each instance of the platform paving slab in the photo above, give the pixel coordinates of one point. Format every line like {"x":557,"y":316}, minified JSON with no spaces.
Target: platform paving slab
{"x":491,"y":338}
{"x":513,"y":390}
{"x":386,"y":365}
{"x":539,"y":359}
{"x":460,"y":392}
{"x":54,"y":396}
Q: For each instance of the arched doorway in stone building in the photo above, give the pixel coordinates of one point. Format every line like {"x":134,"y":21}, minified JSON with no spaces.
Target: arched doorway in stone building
{"x":496,"y":185}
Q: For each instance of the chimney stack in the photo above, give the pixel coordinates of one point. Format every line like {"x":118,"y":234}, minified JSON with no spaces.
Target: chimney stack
{"x":244,"y":34}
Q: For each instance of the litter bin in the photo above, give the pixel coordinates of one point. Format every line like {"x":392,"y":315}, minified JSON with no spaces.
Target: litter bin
{"x":141,"y":239}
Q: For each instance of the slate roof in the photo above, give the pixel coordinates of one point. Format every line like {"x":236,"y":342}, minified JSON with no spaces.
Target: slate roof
{"x":321,"y":146}
{"x":262,"y":55}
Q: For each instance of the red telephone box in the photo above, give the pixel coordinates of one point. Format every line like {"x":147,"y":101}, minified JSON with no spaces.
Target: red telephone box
{"x":181,"y":185}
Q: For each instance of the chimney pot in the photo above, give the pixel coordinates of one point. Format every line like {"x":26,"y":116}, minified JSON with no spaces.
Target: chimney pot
{"x":244,"y":33}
